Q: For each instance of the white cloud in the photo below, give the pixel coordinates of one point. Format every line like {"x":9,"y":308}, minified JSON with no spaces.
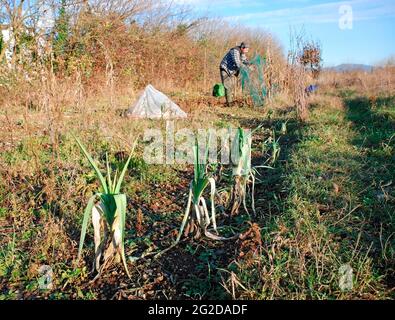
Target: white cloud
{"x":304,"y":13}
{"x":220,"y":4}
{"x":321,"y":13}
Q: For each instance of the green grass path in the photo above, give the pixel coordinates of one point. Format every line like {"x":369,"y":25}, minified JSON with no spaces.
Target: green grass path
{"x":339,"y":211}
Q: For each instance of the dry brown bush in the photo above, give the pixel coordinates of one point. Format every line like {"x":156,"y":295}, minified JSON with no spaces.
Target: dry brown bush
{"x":118,"y":47}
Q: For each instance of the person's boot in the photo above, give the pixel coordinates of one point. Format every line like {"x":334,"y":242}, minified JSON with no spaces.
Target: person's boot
{"x":228,"y":104}
{"x":228,"y":98}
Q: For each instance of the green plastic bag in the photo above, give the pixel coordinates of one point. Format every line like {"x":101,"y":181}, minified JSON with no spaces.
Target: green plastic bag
{"x":219,"y":90}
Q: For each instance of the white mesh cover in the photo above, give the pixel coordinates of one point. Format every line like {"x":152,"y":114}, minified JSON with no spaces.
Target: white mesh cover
{"x":153,"y":104}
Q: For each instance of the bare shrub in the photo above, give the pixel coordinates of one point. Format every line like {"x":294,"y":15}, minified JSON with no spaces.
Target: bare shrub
{"x":297,"y":77}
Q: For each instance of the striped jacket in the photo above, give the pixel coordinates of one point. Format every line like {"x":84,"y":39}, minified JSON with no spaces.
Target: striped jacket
{"x":233,"y":60}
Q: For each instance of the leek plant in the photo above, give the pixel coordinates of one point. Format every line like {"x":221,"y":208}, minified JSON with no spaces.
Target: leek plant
{"x":243,"y":172}
{"x":197,"y":219}
{"x":107,"y":209}
{"x":200,"y":219}
{"x":284,"y":128}
{"x":272,"y":145}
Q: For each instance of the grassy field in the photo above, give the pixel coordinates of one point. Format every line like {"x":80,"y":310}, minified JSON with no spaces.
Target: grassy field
{"x":329,"y":202}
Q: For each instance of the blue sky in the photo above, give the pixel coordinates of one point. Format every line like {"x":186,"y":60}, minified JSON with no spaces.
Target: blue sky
{"x":371,"y":39}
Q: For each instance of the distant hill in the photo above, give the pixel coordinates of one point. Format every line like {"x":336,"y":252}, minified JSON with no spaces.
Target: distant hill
{"x":351,"y":67}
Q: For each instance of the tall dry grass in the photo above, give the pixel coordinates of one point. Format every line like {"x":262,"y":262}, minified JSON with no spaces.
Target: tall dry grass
{"x":380,"y":81}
